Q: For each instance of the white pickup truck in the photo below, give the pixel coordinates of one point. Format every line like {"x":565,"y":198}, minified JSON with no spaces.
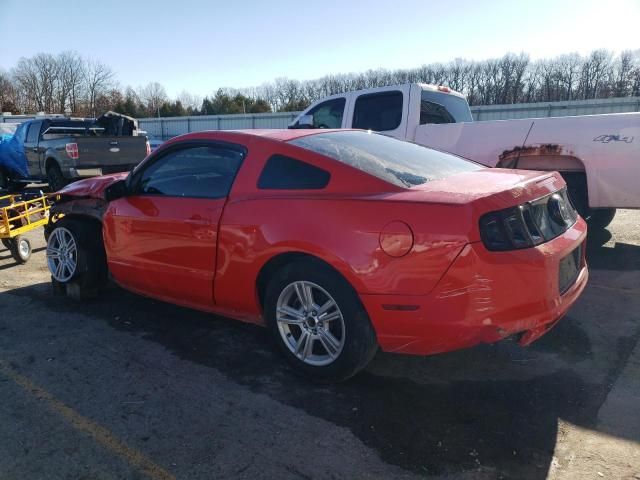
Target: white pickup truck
{"x":598,"y":155}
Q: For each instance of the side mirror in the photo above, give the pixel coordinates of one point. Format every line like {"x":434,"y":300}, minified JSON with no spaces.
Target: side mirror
{"x":116,"y":190}
{"x":305,"y":121}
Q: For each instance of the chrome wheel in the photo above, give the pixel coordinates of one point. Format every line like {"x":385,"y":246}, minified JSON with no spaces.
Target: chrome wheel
{"x":62,"y":254}
{"x":310,"y":323}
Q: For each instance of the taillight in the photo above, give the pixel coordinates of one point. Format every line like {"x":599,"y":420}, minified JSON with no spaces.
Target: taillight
{"x":529,"y":224}
{"x":442,"y":88}
{"x":148,"y":147}
{"x":72,"y":150}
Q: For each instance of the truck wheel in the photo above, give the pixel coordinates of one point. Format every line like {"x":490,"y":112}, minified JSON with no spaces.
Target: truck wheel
{"x":600,"y":218}
{"x":20,"y":249}
{"x":318,"y":322}
{"x":54,"y":178}
{"x":76,"y":257}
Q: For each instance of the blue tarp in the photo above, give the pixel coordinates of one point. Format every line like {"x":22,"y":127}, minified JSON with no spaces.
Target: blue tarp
{"x":12,"y":157}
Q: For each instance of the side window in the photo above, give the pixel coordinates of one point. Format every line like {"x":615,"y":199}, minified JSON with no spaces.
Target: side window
{"x":195,"y":172}
{"x":286,"y":173}
{"x":33,"y":132}
{"x":378,"y":111}
{"x":328,"y":114}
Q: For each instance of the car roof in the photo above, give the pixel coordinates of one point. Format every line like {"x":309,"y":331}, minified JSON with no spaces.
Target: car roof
{"x":282,"y":135}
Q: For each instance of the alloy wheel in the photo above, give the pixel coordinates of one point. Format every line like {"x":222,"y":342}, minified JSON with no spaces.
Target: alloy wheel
{"x":310,"y":323}
{"x":62,"y":254}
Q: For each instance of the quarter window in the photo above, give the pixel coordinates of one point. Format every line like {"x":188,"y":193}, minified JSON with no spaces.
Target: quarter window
{"x":196,"y":172}
{"x":379,"y":112}
{"x":286,"y":173}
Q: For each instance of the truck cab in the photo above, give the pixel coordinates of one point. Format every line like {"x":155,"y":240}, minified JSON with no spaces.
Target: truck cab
{"x":395,"y":111}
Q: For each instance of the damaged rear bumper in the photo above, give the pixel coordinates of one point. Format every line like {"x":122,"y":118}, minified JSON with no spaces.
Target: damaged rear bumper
{"x":484,"y":297}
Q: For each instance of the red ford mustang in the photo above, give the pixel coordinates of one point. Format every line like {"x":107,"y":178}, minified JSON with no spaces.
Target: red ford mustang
{"x":339,"y":241}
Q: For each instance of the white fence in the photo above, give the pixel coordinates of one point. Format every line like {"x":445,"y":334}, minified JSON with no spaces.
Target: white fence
{"x":556,"y":109}
{"x":165,"y":128}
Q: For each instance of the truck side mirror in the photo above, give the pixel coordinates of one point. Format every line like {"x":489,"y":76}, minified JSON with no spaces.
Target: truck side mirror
{"x":116,"y":190}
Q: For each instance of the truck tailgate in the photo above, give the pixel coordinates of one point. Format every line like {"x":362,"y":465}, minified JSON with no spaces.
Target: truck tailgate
{"x":102,"y":152}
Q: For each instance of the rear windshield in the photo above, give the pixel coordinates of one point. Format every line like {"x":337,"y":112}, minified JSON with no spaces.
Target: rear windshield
{"x":437,"y":107}
{"x":401,"y":163}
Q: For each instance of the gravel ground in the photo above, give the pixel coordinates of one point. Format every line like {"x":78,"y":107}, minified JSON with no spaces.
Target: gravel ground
{"x":128,"y":387}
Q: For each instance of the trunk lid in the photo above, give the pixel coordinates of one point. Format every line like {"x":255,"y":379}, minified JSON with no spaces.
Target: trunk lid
{"x":493,"y":188}
{"x":103,"y":152}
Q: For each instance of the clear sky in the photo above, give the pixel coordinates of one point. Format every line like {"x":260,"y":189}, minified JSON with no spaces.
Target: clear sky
{"x":198,"y":45}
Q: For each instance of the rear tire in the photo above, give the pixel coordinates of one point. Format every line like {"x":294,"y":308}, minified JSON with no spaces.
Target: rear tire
{"x":76,"y":258}
{"x":302,"y":338}
{"x":600,"y":218}
{"x":54,"y":178}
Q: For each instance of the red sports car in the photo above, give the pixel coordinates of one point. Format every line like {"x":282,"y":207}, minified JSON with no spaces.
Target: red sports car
{"x":339,"y":241}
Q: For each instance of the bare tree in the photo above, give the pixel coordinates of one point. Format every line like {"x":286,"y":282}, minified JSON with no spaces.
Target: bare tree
{"x":153,"y":95}
{"x":98,"y":79}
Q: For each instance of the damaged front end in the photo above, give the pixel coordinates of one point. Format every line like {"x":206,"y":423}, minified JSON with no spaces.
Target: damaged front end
{"x":85,"y":198}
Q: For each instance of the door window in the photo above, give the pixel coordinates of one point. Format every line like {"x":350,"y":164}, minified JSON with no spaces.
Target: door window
{"x":379,"y":112}
{"x":328,"y":114}
{"x":195,"y":172}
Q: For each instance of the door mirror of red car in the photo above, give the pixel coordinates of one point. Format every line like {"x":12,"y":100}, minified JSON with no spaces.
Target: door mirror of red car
{"x":116,"y":190}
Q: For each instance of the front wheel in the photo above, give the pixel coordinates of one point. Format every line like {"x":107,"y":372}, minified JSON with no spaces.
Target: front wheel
{"x":76,"y":258}
{"x":318,"y":322}
{"x":20,"y":248}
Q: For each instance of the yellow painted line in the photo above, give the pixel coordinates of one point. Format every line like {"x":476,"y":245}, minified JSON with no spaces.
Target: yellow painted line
{"x":100,"y":434}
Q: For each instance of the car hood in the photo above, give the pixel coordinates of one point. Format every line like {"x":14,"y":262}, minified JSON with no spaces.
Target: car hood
{"x":92,"y":187}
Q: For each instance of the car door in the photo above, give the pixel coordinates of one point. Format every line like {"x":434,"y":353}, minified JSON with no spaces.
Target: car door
{"x":382,"y":111}
{"x":161,"y":238}
{"x":31,"y":148}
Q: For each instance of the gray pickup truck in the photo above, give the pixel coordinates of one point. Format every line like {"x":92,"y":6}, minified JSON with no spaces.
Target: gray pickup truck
{"x":61,"y":150}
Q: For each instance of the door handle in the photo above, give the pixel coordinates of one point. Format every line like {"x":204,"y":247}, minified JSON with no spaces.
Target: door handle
{"x":35,"y":149}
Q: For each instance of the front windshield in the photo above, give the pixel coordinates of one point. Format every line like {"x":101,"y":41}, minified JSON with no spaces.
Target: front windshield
{"x":401,"y":163}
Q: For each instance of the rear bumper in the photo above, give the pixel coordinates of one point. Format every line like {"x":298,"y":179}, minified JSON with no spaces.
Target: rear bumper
{"x":84,"y":172}
{"x":482,"y":298}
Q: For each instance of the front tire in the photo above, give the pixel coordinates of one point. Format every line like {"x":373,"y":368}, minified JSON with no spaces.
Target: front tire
{"x":76,"y":257}
{"x":318,"y":322}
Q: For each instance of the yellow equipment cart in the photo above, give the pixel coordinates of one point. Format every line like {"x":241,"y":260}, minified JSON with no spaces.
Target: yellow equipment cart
{"x":20,"y":214}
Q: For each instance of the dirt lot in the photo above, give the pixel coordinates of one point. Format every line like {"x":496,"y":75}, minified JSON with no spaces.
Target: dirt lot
{"x":127,"y":387}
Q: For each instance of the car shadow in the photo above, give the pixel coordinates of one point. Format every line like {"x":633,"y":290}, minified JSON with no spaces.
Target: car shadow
{"x":480,"y":408}
{"x":602,"y":255}
{"x":5,"y":255}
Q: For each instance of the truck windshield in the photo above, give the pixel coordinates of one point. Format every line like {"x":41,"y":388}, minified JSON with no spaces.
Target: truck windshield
{"x":437,"y":107}
{"x":400,"y":163}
